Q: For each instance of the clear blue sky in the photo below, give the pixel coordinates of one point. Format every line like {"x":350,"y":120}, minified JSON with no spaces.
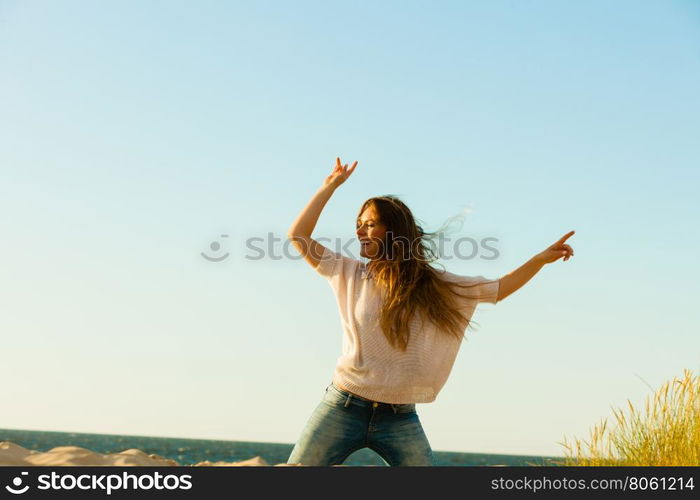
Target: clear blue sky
{"x":134,"y":134}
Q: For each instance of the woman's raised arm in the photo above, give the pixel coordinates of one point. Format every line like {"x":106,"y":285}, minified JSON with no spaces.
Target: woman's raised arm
{"x":300,"y":231}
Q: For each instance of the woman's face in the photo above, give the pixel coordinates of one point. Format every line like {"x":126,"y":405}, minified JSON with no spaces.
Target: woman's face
{"x":370,"y":232}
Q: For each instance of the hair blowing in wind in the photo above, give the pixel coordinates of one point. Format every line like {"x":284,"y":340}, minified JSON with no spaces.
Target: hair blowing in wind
{"x":412,"y":288}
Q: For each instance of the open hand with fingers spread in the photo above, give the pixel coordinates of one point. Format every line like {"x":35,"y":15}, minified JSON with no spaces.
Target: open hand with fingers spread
{"x":557,"y":250}
{"x":339,"y":174}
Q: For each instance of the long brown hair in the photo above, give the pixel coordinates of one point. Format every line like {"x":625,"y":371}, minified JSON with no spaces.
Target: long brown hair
{"x":412,"y":287}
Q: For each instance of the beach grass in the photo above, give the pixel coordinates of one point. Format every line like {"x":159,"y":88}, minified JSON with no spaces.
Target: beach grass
{"x":666,"y":434}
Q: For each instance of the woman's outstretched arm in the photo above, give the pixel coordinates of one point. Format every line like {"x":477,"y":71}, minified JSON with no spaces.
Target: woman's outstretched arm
{"x":303,"y":226}
{"x":514,"y":280}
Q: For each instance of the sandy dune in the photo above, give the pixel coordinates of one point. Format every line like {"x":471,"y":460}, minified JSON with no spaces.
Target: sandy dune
{"x":13,"y":454}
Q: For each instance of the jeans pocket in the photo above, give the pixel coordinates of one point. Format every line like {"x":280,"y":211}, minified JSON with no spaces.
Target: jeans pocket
{"x":334,"y":396}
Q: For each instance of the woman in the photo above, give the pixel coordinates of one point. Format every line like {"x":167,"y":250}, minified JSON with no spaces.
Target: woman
{"x":403,"y":322}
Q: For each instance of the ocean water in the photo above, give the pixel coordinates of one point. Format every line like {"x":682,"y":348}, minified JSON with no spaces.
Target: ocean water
{"x":191,"y":451}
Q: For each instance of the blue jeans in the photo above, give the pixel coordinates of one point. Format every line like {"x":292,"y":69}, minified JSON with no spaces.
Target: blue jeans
{"x":343,"y":423}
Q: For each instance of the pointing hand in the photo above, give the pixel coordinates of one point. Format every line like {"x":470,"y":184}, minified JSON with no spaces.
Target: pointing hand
{"x":557,"y":250}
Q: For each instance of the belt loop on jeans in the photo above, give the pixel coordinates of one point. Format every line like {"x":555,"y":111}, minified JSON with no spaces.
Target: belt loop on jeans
{"x":393,"y":407}
{"x":347,"y":401}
